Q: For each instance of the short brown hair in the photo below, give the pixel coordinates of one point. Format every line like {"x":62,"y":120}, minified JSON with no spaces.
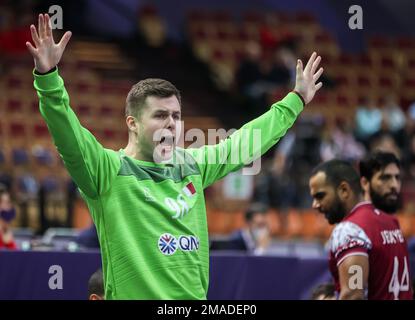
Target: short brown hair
{"x":149,"y":87}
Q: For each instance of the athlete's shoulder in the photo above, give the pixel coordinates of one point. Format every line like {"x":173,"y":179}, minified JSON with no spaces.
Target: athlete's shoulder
{"x":363,"y":214}
{"x":347,"y":235}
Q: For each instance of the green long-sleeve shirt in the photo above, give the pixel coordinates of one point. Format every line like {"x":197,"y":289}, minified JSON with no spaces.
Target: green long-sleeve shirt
{"x":150,"y":217}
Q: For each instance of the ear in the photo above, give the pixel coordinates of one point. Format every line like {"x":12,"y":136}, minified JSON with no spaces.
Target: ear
{"x":132,"y":124}
{"x":344,"y":191}
{"x":365,"y":184}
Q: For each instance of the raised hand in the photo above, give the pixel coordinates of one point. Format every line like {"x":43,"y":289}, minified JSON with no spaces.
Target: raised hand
{"x":305,"y":82}
{"x":46,"y":52}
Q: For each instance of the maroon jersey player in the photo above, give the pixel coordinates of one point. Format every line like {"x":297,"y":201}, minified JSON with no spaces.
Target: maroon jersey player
{"x":368,"y":253}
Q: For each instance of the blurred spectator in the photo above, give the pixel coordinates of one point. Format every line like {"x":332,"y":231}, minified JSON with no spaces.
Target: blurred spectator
{"x":14,"y":32}
{"x":394,"y":119}
{"x":254,"y":238}
{"x":368,"y":120}
{"x":409,"y":158}
{"x":384,"y":141}
{"x":276,"y":73}
{"x":88,"y":238}
{"x":248,"y":72}
{"x":257,"y":76}
{"x":410,"y":119}
{"x":323,"y":291}
{"x":274,"y":34}
{"x":339,"y":142}
{"x":284,"y":185}
{"x":393,"y":114}
{"x":96,"y":286}
{"x":7,"y":214}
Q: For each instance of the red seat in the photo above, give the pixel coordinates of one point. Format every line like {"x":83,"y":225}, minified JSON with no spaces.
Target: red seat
{"x":220,"y":16}
{"x":343,"y":100}
{"x":342,"y":80}
{"x":84,"y":110}
{"x":364,"y":81}
{"x":345,"y":60}
{"x":323,"y":38}
{"x":14,"y":105}
{"x":14,"y":82}
{"x":387,"y":62}
{"x":379,"y":43}
{"x":405,"y":43}
{"x":40,"y":130}
{"x":385,"y":82}
{"x":17,"y":129}
{"x":253,"y":17}
{"x":321,"y":98}
{"x":365,"y":60}
{"x":304,"y":18}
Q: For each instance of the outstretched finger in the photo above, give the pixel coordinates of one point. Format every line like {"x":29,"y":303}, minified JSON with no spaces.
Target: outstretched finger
{"x":299,"y":67}
{"x":318,"y":74}
{"x":40,"y":26}
{"x":315,"y":65}
{"x":31,"y":48}
{"x":319,"y":85}
{"x":48,"y":26}
{"x":35,"y":36}
{"x":310,"y":62}
{"x":65,"y":39}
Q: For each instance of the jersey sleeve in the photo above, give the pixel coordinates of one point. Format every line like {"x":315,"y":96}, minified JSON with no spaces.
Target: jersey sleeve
{"x":348,"y":239}
{"x":90,"y":165}
{"x":249,"y":142}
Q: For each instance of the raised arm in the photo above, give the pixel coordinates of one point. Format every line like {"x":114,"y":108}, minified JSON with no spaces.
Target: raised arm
{"x":259,"y":135}
{"x":90,"y":165}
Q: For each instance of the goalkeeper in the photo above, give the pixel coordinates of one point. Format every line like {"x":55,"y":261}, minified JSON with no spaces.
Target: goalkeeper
{"x":147,"y":199}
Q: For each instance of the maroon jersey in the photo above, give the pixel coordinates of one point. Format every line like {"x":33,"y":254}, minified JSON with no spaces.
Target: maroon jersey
{"x":377,"y":235}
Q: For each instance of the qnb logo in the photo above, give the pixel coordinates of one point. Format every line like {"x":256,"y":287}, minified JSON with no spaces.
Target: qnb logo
{"x":188,"y":243}
{"x":169,"y":244}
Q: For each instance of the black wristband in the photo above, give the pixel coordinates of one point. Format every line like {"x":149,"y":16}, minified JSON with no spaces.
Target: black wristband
{"x":42,"y":74}
{"x":300,"y":96}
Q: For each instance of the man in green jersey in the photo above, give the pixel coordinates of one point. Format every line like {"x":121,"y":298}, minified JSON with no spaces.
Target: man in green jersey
{"x":150,"y":211}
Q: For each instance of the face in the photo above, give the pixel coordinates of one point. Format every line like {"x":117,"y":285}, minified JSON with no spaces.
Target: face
{"x":259,"y":221}
{"x":5,"y":201}
{"x":325,"y":198}
{"x":156,"y":128}
{"x":385,"y":187}
{"x":259,"y":225}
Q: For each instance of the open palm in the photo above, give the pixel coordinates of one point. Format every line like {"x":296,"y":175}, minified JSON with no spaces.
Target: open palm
{"x":305,"y":82}
{"x":46,"y":52}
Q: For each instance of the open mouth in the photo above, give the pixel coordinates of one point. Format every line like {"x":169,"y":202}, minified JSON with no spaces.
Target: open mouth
{"x":166,"y":145}
{"x":167,"y":140}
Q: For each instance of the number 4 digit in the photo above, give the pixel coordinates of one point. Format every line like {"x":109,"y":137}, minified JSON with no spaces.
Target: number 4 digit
{"x":395,"y":286}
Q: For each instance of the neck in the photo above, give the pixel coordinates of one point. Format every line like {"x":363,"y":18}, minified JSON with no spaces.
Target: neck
{"x":133,"y":150}
{"x":353,"y":202}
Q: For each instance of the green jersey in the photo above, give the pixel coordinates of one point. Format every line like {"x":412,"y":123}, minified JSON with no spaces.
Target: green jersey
{"x":151,"y":217}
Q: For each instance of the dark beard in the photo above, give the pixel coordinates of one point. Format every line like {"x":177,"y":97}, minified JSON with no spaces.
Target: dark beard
{"x":336,"y":212}
{"x":387,"y":206}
